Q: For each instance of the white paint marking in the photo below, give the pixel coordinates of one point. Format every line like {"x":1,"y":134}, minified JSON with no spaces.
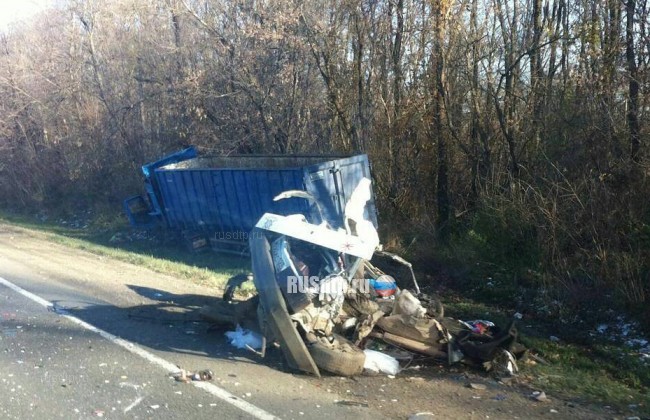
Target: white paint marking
{"x":133,"y":404}
{"x":150,"y":357}
{"x":130,"y":385}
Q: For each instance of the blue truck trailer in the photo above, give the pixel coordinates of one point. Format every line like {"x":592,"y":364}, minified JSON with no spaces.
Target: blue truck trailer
{"x":226,"y":195}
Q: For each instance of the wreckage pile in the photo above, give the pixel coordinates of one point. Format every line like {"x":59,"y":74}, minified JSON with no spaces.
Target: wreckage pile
{"x":328,"y":307}
{"x":341,"y":330}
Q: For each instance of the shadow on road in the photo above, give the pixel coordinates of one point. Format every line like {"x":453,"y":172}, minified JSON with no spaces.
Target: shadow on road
{"x":172,"y":323}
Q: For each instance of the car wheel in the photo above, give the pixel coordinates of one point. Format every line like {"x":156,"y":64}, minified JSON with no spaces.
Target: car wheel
{"x":340,"y":357}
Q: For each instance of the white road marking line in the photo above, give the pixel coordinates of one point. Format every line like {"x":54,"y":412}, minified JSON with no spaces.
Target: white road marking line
{"x":150,"y":357}
{"x":133,"y":404}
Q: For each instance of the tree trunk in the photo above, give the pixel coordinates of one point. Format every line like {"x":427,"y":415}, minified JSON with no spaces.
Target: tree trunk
{"x":442,"y":178}
{"x":633,"y":105}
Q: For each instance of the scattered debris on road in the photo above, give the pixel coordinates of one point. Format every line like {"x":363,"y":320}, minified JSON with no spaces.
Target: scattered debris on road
{"x":380,"y":362}
{"x":352,"y":403}
{"x":245,"y":339}
{"x":186,"y":376}
{"x":539,"y":396}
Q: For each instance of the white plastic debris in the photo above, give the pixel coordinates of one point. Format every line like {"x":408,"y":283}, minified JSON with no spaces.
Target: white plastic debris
{"x":380,"y":362}
{"x":354,"y":211}
{"x":539,"y":396}
{"x":409,"y":305}
{"x":243,"y":339}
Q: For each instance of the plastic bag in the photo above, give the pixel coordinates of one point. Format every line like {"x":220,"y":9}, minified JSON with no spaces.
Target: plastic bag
{"x":377,"y":361}
{"x":243,"y":339}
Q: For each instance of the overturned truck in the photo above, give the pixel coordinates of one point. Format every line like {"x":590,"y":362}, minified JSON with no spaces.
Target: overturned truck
{"x":218,"y":199}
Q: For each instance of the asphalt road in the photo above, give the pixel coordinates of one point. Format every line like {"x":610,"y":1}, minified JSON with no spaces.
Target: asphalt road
{"x":83,"y":336}
{"x":53,"y":367}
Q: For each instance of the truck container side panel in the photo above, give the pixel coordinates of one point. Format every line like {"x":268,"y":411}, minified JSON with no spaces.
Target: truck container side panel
{"x":213,"y":186}
{"x":233,"y":202}
{"x":180,"y":194}
{"x":222,"y":199}
{"x":211,"y":201}
{"x":321,"y":184}
{"x":171,"y":204}
{"x":242,"y":202}
{"x":243,"y":198}
{"x":254,"y":195}
{"x":177,"y":190}
{"x":204,"y":209}
{"x":153,"y":183}
{"x":202,"y":203}
{"x":190,"y":197}
{"x":163,"y":199}
{"x":279,"y":181}
{"x":265,"y":194}
{"x":165,"y":184}
{"x":260,"y":197}
{"x":228,"y":194}
{"x":272,"y":182}
{"x":193,"y":198}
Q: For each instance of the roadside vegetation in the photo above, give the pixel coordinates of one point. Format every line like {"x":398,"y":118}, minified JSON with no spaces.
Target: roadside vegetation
{"x":113,"y":238}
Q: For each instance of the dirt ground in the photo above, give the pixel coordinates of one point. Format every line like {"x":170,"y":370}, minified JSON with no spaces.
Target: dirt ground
{"x":421,"y":388}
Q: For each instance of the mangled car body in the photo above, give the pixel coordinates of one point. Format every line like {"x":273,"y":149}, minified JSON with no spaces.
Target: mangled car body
{"x":323,"y":301}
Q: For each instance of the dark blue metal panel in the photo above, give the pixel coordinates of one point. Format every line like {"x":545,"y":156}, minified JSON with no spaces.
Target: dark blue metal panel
{"x":137,"y":211}
{"x":333,"y":182}
{"x":235,"y":206}
{"x":150,"y":182}
{"x":243,"y":199}
{"x":214,"y":216}
{"x":232,"y":198}
{"x":176,"y":157}
{"x":222,"y":202}
{"x":167,"y":198}
{"x":253,"y":193}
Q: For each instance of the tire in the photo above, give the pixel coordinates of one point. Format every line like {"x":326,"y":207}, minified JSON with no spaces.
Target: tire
{"x":341,"y":357}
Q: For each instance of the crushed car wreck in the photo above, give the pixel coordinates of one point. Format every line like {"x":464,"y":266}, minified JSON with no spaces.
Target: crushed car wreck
{"x":323,"y":301}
